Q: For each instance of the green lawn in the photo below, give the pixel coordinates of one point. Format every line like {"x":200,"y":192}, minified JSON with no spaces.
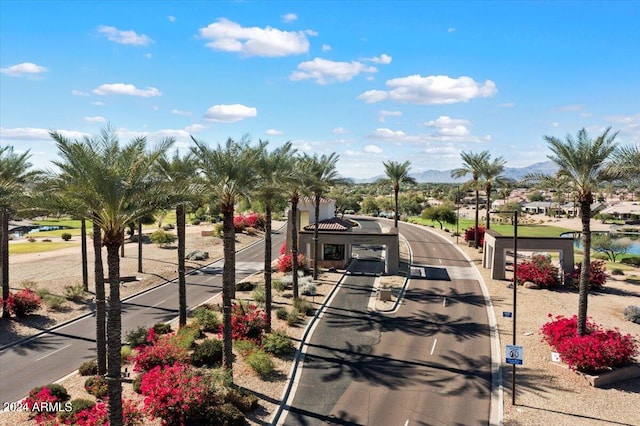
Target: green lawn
{"x":38,"y":246}
{"x":507,"y":230}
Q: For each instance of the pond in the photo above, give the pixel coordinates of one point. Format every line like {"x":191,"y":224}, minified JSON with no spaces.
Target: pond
{"x":48,"y":228}
{"x":634,"y":237}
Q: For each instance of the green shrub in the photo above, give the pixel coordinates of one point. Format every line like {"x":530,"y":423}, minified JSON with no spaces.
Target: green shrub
{"x":250,"y":231}
{"x":162,"y":238}
{"x":241,"y":399}
{"x":631,"y":260}
{"x":308,"y":288}
{"x":217,"y":230}
{"x":41,"y":292}
{"x":137,"y":336}
{"x":303,"y":306}
{"x":278,"y":343}
{"x":278,"y":286}
{"x":31,"y":240}
{"x":282,"y":313}
{"x":136,"y":384}
{"x":162,"y":328}
{"x":258,"y":295}
{"x":30,"y":285}
{"x":55,"y":390}
{"x":209,"y":353}
{"x":53,"y":301}
{"x":244,"y":286}
{"x":125,"y":354}
{"x":632,"y":313}
{"x":96,"y":386}
{"x":260,"y":362}
{"x":75,"y":293}
{"x":187,"y":335}
{"x":292,"y":317}
{"x":227,"y":415}
{"x":77,"y":405}
{"x":89,"y":368}
{"x":617,"y":271}
{"x":206,"y":319}
{"x":245,"y":346}
{"x":65,"y":236}
{"x":195,"y":222}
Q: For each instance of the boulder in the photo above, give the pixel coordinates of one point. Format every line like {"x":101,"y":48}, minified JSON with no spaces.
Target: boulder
{"x":531,"y":285}
{"x":197,"y":255}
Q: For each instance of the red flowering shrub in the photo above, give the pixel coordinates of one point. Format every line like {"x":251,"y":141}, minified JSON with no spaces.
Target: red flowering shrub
{"x":470,"y":235}
{"x":177,"y":394}
{"x":539,"y":270}
{"x":597,"y":350}
{"x":22,"y":303}
{"x":239,"y":223}
{"x":597,"y":274}
{"x":283,"y":248}
{"x":285,"y":262}
{"x":98,"y":415}
{"x":247,"y":322}
{"x":164,"y":351}
{"x":252,"y":220}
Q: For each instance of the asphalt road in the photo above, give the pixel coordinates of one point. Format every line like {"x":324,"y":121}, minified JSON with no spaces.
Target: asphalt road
{"x":429,"y":363}
{"x":58,"y":353}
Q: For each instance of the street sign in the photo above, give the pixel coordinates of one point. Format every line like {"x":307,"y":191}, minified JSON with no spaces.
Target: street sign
{"x":506,"y":314}
{"x":514,"y":354}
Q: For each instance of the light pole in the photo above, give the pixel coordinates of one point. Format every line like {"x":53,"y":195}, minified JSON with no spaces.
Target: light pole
{"x":458,"y":214}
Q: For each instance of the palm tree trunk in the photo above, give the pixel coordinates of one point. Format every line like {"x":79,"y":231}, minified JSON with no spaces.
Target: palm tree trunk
{"x":182,"y":283}
{"x":488,"y":206}
{"x":477,"y":233}
{"x":140,"y":246}
{"x":316,"y":244}
{"x":583,"y":289}
{"x":395,"y":213}
{"x":122,"y":245}
{"x":294,"y":245}
{"x":267,"y":265}
{"x":83,"y":242}
{"x":114,"y":332}
{"x":101,"y":316}
{"x":228,"y":285}
{"x":4,"y":248}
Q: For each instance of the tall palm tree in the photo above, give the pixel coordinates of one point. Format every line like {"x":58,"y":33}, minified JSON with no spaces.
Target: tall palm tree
{"x":473,"y":165}
{"x":274,"y":169}
{"x":115,"y":183}
{"x":323,"y":175}
{"x":627,"y":161}
{"x":491,"y":172}
{"x":14,"y":178}
{"x":180,"y":173}
{"x":228,"y":172}
{"x":397,"y":174}
{"x":586,"y":162}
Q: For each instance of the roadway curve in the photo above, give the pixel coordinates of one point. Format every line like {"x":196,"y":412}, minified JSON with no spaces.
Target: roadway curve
{"x":428,"y":363}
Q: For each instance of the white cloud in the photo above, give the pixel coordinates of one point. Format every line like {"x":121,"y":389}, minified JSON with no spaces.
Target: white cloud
{"x":274,"y":132}
{"x":79,"y":93}
{"x":372,"y":149}
{"x":384,"y":133}
{"x":447,"y":126}
{"x":171,"y":18}
{"x":326,"y":47}
{"x":34,"y":134}
{"x":382,"y":59}
{"x":383,"y":114}
{"x":630,"y":124}
{"x":431,"y":90}
{"x":451,"y":30}
{"x":289,"y":17}
{"x":126,"y":89}
{"x":194,"y":128}
{"x":98,"y":103}
{"x":555,"y":124}
{"x":25,"y":68}
{"x":124,"y":37}
{"x":229,"y":113}
{"x":303,"y":146}
{"x":229,"y":36}
{"x":340,"y":130}
{"x":148,"y":55}
{"x":180,"y":112}
{"x":571,"y":108}
{"x":96,"y":119}
{"x":324,"y":71}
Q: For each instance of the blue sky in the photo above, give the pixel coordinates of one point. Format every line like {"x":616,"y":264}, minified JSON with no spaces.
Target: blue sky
{"x":370,"y":80}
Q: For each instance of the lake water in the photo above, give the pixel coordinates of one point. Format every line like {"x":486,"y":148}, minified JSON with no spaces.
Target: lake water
{"x":633,"y":249}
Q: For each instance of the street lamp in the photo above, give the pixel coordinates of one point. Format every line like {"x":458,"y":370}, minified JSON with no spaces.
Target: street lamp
{"x":458,"y":214}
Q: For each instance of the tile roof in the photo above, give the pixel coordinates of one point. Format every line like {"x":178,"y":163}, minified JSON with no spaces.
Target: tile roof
{"x":333,"y":224}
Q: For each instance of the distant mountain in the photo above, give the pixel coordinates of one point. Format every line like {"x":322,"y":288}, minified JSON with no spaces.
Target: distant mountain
{"x":444,"y":176}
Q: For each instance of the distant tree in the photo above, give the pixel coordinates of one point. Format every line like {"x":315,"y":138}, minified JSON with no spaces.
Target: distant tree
{"x":610,"y":245}
{"x":370,"y":205}
{"x":491,"y":175}
{"x":443,"y":213}
{"x":397,"y":174}
{"x":535,"y":196}
{"x":473,"y":164}
{"x":410,"y":203}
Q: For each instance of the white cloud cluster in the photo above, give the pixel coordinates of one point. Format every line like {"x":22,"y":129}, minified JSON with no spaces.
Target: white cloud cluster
{"x":126,"y":89}
{"x":447,"y":126}
{"x":340,"y":131}
{"x":229,"y":113}
{"x":431,"y":90}
{"x":388,"y":134}
{"x":171,"y":18}
{"x":274,"y":132}
{"x":96,"y":119}
{"x":124,"y":37}
{"x":383,"y":114}
{"x":372,"y":149}
{"x":324,"y":71}
{"x":194,"y":128}
{"x":630,"y":130}
{"x":76,"y":92}
{"x":24,"y":68}
{"x":229,"y":36}
{"x":289,"y":17}
{"x":326,"y":47}
{"x":383,"y":59}
{"x":35,"y":134}
{"x":180,"y":112}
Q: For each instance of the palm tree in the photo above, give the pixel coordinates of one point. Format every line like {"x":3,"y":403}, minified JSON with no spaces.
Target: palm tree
{"x":491,"y":172}
{"x":274,"y":169}
{"x":473,"y":165}
{"x":180,"y":174}
{"x":397,"y":174}
{"x":586,"y":163}
{"x":627,"y":161}
{"x":228,"y":172}
{"x":323,"y":174}
{"x":115,"y":183}
{"x":14,"y":177}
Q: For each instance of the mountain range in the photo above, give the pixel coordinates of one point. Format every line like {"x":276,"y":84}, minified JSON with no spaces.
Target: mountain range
{"x":444,"y":176}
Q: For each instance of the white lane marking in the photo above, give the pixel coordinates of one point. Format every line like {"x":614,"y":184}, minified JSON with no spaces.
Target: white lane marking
{"x":156,"y":305}
{"x":433,"y":348}
{"x":51,"y":353}
{"x":406,"y":423}
{"x":444,"y":302}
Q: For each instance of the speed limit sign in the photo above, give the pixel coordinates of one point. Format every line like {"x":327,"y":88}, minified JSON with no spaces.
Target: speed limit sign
{"x":514,"y":354}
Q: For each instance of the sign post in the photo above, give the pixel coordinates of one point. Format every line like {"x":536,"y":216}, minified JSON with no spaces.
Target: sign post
{"x":515,"y":286}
